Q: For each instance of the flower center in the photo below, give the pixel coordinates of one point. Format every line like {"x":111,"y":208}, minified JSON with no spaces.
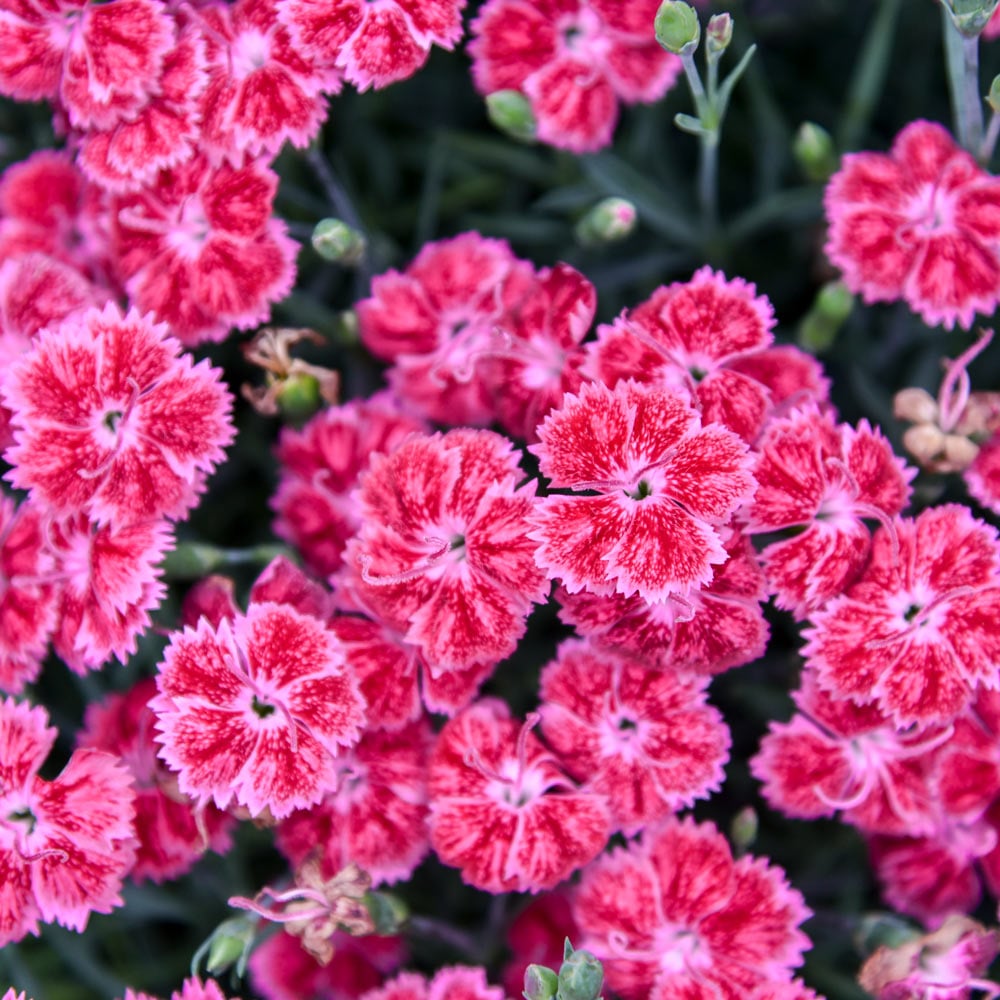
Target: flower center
{"x":641,"y":491}
{"x":262,"y":708}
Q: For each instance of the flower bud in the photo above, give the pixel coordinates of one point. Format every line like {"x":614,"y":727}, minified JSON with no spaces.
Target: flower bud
{"x":388,"y":912}
{"x":229,"y":945}
{"x":540,"y":983}
{"x":718,"y":34}
{"x":609,"y":220}
{"x":336,"y":241}
{"x":971,"y":16}
{"x":676,"y":26}
{"x":832,"y":306}
{"x":298,"y":397}
{"x":510,"y":111}
{"x":814,"y":152}
{"x":581,"y":975}
{"x":743,"y":829}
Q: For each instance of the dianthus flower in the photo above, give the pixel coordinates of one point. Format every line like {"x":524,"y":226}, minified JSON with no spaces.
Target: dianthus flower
{"x":673,"y":915}
{"x":262,"y":88}
{"x":27,"y":594}
{"x":172,"y":835}
{"x":916,"y":635}
{"x":502,"y":810}
{"x":792,"y":377}
{"x":664,"y":485}
{"x":539,"y":358}
{"x":100,"y":61}
{"x":192,"y":989}
{"x":982,"y":477}
{"x":705,"y":632}
{"x":281,"y":969}
{"x":686,"y":336}
{"x":128,"y":154}
{"x":373,"y":44}
{"x":256,"y":710}
{"x":66,"y":844}
{"x":109,"y":582}
{"x":943,"y":965}
{"x":574,"y":60}
{"x":836,"y":755}
{"x":821,"y":479}
{"x":441,"y":315}
{"x":319,"y":467}
{"x":456,"y":982}
{"x":376,"y":816}
{"x":442,"y":551}
{"x":644,"y":739}
{"x":918,"y":224}
{"x":111,"y":419}
{"x":200,"y":248}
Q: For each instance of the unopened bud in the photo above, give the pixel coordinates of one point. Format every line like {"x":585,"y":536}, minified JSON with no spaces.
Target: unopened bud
{"x":830,"y":309}
{"x":336,"y":241}
{"x":540,"y":983}
{"x":743,"y":830}
{"x":676,"y":26}
{"x":510,"y":111}
{"x":718,"y":34}
{"x":993,"y":97}
{"x":388,"y":912}
{"x":814,"y":152}
{"x":877,"y":930}
{"x":609,"y":220}
{"x":581,"y":975}
{"x":917,"y":406}
{"x":229,"y":945}
{"x":971,"y":16}
{"x":298,"y":397}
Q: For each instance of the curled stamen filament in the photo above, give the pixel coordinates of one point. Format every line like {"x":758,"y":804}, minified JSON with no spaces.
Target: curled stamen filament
{"x":284,"y":916}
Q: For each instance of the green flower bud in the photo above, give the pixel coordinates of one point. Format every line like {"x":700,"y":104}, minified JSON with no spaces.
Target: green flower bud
{"x":510,"y":111}
{"x":609,"y":220}
{"x":884,"y":929}
{"x":743,"y":830}
{"x":540,"y":983}
{"x":676,"y":26}
{"x":820,"y":326}
{"x":814,"y":152}
{"x":388,"y":912}
{"x":718,"y":34}
{"x":192,"y":561}
{"x":336,"y":241}
{"x":971,"y":16}
{"x":993,"y":97}
{"x":229,"y":945}
{"x":298,"y":397}
{"x":581,"y":976}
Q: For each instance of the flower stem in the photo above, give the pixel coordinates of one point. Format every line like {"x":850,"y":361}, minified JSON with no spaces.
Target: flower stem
{"x":962,"y":64}
{"x":708,"y":167}
{"x":869,"y":75}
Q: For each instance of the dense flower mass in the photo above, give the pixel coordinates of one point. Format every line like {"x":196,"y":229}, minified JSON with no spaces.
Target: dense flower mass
{"x":919,"y":224}
{"x":574,"y":60}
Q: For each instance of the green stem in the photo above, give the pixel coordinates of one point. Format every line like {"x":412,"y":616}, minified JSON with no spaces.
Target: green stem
{"x":708,"y":166}
{"x":962,"y":64}
{"x":869,"y":75}
{"x":990,"y":140}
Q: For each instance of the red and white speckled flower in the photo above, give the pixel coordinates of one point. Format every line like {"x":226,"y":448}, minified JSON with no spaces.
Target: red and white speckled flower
{"x":502,"y":810}
{"x":916,"y":634}
{"x":377,"y":817}
{"x":455,"y":982}
{"x":111,"y":419}
{"x":262,"y":88}
{"x":645,"y":739}
{"x":664,"y":486}
{"x":442,"y":551}
{"x":373,"y":43}
{"x":919,"y":224}
{"x":172,"y":835}
{"x":100,"y":60}
{"x":66,"y":844}
{"x":686,"y":336}
{"x":821,"y":479}
{"x":319,"y":468}
{"x":705,"y":632}
{"x":574,"y":60}
{"x":674,"y":913}
{"x":201,"y":249}
{"x":256,"y":710}
{"x":27,"y":594}
{"x":836,"y":755}
{"x":438,"y":318}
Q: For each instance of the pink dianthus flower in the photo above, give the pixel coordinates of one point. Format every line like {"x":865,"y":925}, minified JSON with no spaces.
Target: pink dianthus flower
{"x":916,"y":635}
{"x":456,"y":982}
{"x":674,"y":916}
{"x":918,"y":224}
{"x":502,"y":810}
{"x":664,"y":487}
{"x":574,"y":60}
{"x":66,"y":844}
{"x":112,"y":420}
{"x":256,"y":710}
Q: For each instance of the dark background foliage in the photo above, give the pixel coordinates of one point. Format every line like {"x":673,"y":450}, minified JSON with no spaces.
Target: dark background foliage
{"x":418,"y":162}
